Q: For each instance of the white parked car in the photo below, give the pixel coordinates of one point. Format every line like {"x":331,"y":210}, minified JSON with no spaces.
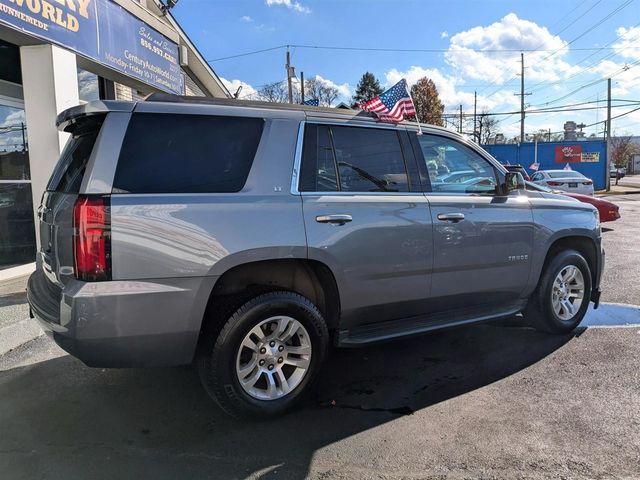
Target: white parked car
{"x":565,"y":180}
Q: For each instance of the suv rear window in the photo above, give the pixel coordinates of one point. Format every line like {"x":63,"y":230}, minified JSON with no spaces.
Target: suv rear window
{"x":167,"y":153}
{"x":69,"y":171}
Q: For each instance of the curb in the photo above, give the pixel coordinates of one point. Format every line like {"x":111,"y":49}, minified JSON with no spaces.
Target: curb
{"x":17,"y":334}
{"x":604,"y":193}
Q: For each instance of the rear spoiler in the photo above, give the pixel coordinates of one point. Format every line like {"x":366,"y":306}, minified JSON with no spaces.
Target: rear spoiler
{"x":68,"y":117}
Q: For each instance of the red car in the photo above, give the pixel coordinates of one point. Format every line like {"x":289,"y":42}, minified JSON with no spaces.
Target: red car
{"x":608,"y":211}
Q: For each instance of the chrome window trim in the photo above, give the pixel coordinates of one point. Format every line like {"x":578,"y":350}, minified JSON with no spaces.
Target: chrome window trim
{"x":295,"y":175}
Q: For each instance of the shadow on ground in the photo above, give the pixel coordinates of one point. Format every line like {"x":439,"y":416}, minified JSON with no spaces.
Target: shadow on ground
{"x":63,"y":420}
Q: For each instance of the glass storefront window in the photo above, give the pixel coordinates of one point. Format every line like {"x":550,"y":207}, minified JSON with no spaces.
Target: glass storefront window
{"x":17,"y":232}
{"x":88,"y":86}
{"x":14,"y":150}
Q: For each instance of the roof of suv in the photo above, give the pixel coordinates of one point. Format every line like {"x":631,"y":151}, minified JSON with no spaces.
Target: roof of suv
{"x":94,"y":107}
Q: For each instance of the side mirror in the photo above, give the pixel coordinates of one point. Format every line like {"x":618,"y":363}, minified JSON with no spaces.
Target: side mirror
{"x":513,"y":181}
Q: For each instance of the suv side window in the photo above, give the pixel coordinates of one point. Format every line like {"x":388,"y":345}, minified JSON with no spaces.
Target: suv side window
{"x":318,"y":169}
{"x":455,"y":168}
{"x":536,"y":177}
{"x":173,"y":153}
{"x":352,"y":159}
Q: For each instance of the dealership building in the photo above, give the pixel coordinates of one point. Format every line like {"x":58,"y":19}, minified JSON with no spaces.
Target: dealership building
{"x":55,"y":54}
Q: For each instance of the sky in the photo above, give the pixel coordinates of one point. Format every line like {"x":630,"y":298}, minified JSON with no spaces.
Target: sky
{"x":570,"y":49}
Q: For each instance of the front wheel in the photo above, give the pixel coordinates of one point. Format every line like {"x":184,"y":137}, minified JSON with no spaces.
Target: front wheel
{"x":266,"y":356}
{"x":562,"y":297}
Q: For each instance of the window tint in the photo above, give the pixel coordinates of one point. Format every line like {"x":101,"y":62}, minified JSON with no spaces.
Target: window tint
{"x":318,"y":170}
{"x":186,"y":153}
{"x":69,"y":171}
{"x":455,"y":168}
{"x":369,"y":160}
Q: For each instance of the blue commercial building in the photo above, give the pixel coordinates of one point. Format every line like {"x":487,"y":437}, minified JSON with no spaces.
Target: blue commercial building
{"x":588,"y":157}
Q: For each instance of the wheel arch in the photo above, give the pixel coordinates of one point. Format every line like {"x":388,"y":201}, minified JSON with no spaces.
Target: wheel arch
{"x":309,"y":278}
{"x":583,"y":244}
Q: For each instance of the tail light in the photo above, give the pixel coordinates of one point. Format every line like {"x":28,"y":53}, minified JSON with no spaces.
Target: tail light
{"x":554,"y":184}
{"x":588,"y":182}
{"x":92,"y":238}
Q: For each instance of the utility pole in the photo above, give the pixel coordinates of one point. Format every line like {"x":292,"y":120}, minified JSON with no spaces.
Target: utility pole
{"x":290,"y":74}
{"x":475,"y":107}
{"x":522,"y":95}
{"x":460,"y":123}
{"x":302,"y":87}
{"x":608,"y":173}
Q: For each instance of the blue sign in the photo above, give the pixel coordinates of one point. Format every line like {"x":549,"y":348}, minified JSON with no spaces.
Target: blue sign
{"x":103,"y":31}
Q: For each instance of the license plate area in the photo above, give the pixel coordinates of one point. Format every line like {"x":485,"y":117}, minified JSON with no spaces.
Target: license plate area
{"x":573,"y":185}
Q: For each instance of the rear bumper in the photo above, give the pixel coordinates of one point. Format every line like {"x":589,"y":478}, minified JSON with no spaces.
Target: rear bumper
{"x":123,"y":323}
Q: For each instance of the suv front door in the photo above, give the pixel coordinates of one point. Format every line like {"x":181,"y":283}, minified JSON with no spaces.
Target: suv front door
{"x":367,"y":218}
{"x":482,"y":240}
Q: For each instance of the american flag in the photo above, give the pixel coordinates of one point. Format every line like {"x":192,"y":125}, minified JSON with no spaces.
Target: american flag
{"x":394,"y":105}
{"x":314,"y":102}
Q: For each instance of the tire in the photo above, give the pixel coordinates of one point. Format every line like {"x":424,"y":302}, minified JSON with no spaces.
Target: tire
{"x":257,"y":332}
{"x":546,"y":310}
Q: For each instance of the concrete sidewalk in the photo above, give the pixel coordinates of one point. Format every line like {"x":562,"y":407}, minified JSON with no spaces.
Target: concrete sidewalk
{"x":627,"y":185}
{"x":16,"y":327}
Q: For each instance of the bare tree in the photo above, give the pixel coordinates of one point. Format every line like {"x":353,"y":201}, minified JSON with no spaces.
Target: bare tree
{"x":275,"y":92}
{"x":316,"y":89}
{"x":622,"y":151}
{"x":487,"y":126}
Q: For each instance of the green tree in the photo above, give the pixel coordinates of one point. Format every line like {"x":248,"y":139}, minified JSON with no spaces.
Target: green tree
{"x":429,"y":108}
{"x":368,"y":88}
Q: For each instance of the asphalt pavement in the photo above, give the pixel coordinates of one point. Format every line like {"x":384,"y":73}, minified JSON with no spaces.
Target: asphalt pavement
{"x":485,"y":401}
{"x":621,"y":280}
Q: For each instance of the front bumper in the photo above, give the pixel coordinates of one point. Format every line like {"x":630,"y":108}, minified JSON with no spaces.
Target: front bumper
{"x":596,"y":291}
{"x":123,"y":323}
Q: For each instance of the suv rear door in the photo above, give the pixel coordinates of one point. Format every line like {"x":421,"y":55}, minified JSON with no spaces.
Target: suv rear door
{"x":367,"y":219}
{"x":56,"y":210}
{"x":482,"y":240}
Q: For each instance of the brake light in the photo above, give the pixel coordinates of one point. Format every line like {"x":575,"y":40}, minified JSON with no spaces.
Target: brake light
{"x":554,"y":184}
{"x":588,"y":182}
{"x":92,"y":238}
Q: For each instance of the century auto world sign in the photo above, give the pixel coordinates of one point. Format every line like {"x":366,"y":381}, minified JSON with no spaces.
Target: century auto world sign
{"x":103,"y":31}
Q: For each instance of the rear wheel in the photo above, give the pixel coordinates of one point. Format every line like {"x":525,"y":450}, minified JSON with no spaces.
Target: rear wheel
{"x":266,"y":355}
{"x":562,"y":297}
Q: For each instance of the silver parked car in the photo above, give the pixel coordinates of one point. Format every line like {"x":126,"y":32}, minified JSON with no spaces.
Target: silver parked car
{"x":564,"y":180}
{"x":247,"y":237}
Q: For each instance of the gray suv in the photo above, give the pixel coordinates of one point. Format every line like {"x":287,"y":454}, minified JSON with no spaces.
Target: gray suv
{"x":247,"y":237}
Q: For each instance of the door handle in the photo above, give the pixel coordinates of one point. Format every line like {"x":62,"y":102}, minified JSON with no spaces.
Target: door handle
{"x":451,"y":217}
{"x":335,"y":219}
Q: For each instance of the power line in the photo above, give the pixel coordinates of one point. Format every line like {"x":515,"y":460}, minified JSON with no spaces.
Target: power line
{"x":410,"y":50}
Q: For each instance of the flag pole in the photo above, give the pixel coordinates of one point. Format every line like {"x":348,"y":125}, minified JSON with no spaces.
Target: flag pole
{"x":406,"y":85}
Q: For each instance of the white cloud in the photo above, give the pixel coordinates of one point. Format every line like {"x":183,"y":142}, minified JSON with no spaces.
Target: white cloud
{"x":448,"y":89}
{"x":248,"y":92}
{"x":473,"y":52}
{"x":629,"y":42}
{"x":246,"y":18}
{"x":344,"y":90}
{"x":290,"y":4}
{"x":444,"y":34}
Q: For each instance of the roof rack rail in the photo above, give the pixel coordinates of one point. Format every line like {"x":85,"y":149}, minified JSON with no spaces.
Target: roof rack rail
{"x":171,"y":98}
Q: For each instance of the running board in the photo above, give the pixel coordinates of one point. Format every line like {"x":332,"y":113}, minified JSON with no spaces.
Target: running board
{"x":391,"y":329}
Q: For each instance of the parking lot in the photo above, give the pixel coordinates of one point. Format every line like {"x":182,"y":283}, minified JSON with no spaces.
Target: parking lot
{"x":488,"y":401}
